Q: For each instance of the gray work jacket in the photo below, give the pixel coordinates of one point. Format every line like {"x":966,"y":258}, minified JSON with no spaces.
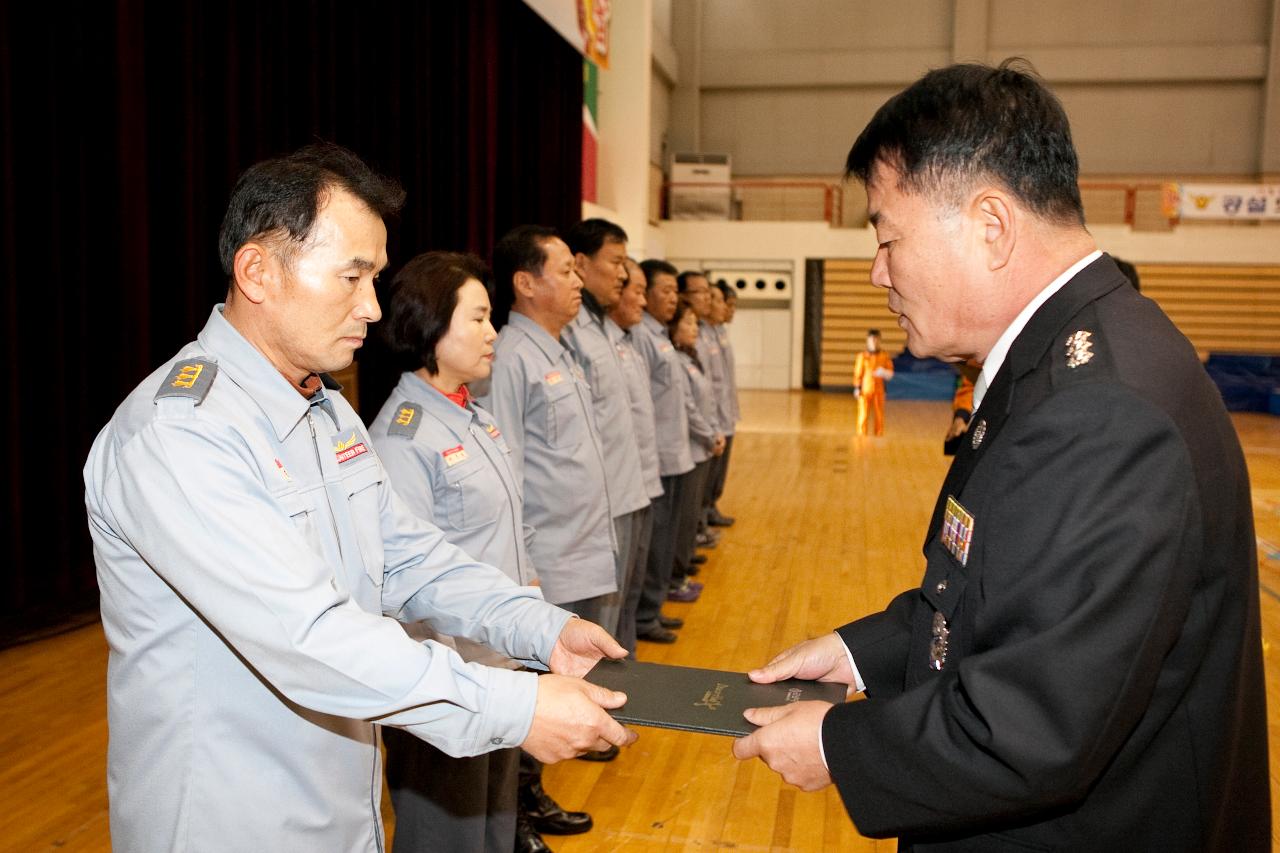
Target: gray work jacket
{"x":249,"y":550}
{"x":727,"y":390}
{"x":451,"y":466}
{"x":708,"y":347}
{"x":701,"y":405}
{"x":598,"y":357}
{"x":667,"y":386}
{"x":542,"y":404}
{"x":636,"y":373}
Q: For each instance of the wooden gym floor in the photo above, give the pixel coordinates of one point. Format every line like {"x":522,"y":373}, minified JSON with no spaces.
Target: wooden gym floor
{"x":829,"y":528}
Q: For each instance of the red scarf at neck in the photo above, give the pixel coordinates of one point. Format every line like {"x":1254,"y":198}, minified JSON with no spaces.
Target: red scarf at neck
{"x":462,"y":396}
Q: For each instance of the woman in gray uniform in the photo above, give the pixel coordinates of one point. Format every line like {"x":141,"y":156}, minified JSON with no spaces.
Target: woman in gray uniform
{"x":448,"y":461}
{"x":705,"y":444}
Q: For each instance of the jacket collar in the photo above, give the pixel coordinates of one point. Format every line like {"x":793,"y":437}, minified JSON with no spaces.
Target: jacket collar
{"x":245,"y":365}
{"x":553,"y":348}
{"x":1090,"y":284}
{"x":592,"y":305}
{"x":456,"y":418}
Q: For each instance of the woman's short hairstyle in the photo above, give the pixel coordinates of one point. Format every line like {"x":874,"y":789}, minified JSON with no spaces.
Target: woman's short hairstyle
{"x":421,"y":302}
{"x":683,"y":304}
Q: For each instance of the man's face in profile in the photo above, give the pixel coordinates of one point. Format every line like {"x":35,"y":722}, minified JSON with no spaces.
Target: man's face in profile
{"x":321,"y":300}
{"x":663,"y":296}
{"x":923,"y":261}
{"x":699,"y":293}
{"x":558,"y":287}
{"x":604,"y":272}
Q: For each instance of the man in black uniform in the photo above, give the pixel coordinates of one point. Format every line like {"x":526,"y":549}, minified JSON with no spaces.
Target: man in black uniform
{"x":1081,"y":667}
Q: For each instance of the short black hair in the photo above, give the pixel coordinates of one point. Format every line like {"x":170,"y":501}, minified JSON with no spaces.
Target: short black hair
{"x":279,"y":198}
{"x":522,"y":249}
{"x":723,"y":287}
{"x":421,"y":301}
{"x":655,"y":267}
{"x":968,"y":122}
{"x":873,"y":333}
{"x":682,"y":280}
{"x":589,"y":235}
{"x":683,"y":306}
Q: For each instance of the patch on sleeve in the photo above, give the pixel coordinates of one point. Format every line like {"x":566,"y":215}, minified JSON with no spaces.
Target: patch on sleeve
{"x":191,"y":377}
{"x":407,"y":419}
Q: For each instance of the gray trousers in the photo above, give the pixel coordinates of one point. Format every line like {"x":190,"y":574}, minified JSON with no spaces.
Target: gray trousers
{"x":450,"y":804}
{"x":628,"y":530}
{"x":592,"y":609}
{"x":719,"y":473}
{"x":633,"y":584}
{"x":662,"y":552}
{"x":688,"y":516}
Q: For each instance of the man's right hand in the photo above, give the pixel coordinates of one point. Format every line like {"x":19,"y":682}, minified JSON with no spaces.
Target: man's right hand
{"x":569,"y":719}
{"x":820,"y":659}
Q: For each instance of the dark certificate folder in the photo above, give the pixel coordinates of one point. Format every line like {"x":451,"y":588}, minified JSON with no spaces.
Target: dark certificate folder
{"x":699,"y":700}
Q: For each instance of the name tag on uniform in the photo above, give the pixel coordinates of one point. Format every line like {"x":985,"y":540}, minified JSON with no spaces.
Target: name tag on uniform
{"x":553,"y":378}
{"x":454,"y":455}
{"x":957,"y":530}
{"x":492,"y":430}
{"x":347,"y":446}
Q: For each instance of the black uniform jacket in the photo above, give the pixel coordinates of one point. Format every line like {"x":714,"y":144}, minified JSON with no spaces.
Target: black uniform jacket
{"x":1094,"y":679}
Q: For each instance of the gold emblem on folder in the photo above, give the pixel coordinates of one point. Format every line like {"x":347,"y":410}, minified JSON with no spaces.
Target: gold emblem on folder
{"x":712,"y":699}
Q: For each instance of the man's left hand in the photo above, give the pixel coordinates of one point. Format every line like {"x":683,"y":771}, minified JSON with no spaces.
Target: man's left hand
{"x":787,"y":741}
{"x":580,"y":646}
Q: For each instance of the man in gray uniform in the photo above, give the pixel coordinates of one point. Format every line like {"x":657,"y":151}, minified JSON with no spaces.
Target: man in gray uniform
{"x":249,"y":549}
{"x":697,"y":288}
{"x":599,"y":252}
{"x":675,"y":460}
{"x":542,"y":403}
{"x":623,"y":326}
{"x":540,"y":398}
{"x":723,"y":301}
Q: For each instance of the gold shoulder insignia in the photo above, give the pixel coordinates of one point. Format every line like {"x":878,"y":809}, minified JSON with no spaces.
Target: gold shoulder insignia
{"x":407,"y":419}
{"x":191,"y":378}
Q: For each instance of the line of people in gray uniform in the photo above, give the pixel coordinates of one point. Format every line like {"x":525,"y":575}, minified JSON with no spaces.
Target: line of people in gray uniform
{"x":257,"y":568}
{"x":282,"y":588}
{"x":581,"y":448}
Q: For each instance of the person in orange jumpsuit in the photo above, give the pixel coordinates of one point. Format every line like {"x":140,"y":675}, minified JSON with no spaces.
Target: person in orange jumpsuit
{"x":870,"y":370}
{"x":961,"y":404}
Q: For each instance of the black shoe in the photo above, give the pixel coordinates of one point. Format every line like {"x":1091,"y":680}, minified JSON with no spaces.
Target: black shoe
{"x":527,"y":838}
{"x":691,"y":569}
{"x":600,"y":754}
{"x":670,"y":621}
{"x":545,"y":815}
{"x":697,"y":560}
{"x":715,"y":519}
{"x":657,"y":634}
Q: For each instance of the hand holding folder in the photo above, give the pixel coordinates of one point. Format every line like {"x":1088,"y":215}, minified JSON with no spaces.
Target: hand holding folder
{"x":699,"y":700}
